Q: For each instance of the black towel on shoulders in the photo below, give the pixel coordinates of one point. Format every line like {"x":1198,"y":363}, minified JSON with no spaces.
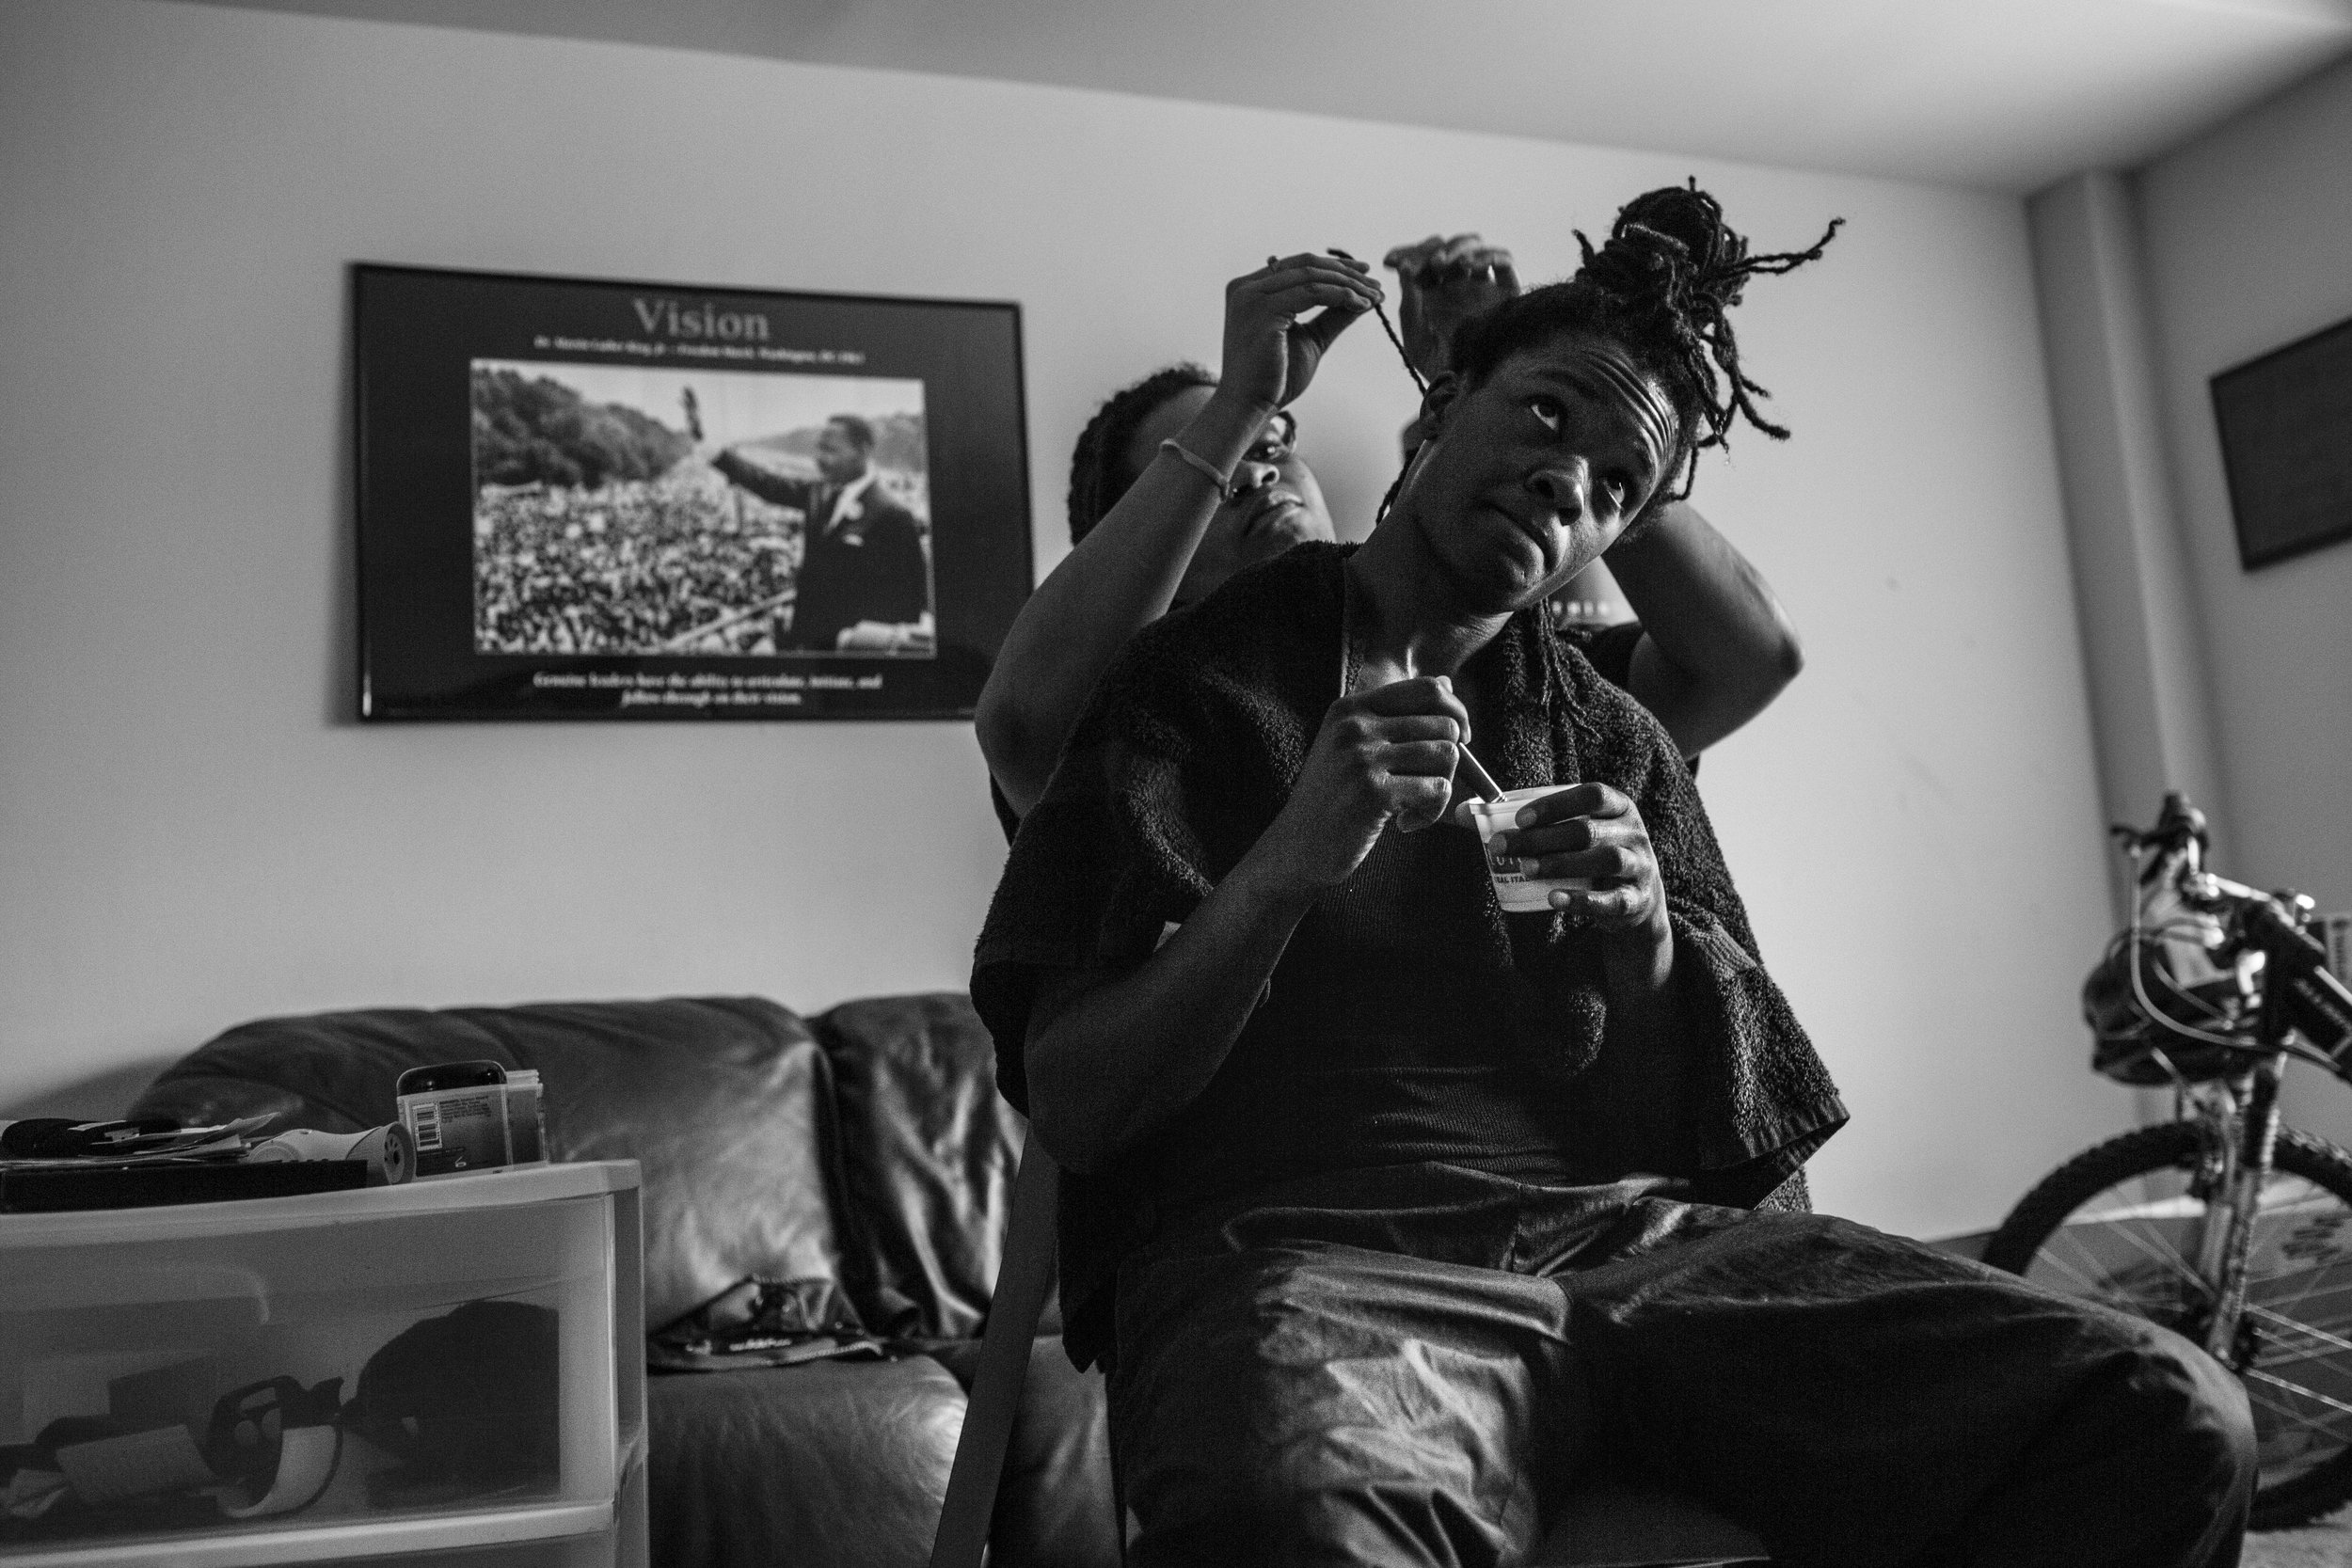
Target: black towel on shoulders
{"x":1189,"y":748}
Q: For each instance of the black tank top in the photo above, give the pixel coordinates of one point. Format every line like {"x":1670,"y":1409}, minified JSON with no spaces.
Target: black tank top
{"x":1380,"y":1040}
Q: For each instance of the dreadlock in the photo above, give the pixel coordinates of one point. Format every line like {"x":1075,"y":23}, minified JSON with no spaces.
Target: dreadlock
{"x":1661,"y":288}
{"x":1099,"y":470}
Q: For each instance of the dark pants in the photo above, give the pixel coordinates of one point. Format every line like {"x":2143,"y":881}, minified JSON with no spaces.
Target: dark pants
{"x":1407,"y":1365}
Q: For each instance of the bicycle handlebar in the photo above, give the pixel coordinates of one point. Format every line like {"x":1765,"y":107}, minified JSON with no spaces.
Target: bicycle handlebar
{"x":2180,"y":828}
{"x":2299,"y":993}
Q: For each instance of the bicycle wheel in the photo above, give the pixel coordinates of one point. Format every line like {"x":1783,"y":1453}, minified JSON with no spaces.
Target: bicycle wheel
{"x":2119,"y":1224}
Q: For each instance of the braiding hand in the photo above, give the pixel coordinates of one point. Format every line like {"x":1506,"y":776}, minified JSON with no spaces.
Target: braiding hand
{"x":1441,"y":283}
{"x":1280,"y":319}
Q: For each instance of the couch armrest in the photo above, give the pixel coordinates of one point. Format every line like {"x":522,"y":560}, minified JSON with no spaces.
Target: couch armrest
{"x":928,"y":1149}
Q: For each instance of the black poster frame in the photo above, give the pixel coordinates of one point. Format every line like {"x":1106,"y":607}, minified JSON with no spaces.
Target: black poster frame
{"x":419,"y":333}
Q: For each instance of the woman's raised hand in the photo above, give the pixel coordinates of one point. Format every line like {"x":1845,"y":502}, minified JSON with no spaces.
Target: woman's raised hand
{"x":1442,"y":283}
{"x":1280,"y":319}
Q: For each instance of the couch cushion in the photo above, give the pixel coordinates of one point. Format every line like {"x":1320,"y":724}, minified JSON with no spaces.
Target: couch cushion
{"x":843,"y":1463}
{"x":724,"y":1100}
{"x":928,"y":1149}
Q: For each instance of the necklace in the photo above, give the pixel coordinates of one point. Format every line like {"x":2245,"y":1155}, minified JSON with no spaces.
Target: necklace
{"x":1356,"y":604}
{"x":1351,"y":656}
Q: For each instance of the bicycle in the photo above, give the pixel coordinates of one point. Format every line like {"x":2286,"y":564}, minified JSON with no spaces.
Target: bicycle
{"x":2221,"y":1223}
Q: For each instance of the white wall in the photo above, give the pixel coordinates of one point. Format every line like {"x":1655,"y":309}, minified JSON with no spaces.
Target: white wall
{"x":192,"y":830}
{"x":2248,"y":233}
{"x":2143,"y":646}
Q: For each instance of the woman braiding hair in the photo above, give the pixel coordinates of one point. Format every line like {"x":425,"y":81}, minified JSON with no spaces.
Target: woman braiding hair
{"x":1100,"y":465}
{"x":1712,"y":646}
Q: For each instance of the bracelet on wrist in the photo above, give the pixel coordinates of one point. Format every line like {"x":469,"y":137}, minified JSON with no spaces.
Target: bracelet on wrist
{"x":1201,"y":465}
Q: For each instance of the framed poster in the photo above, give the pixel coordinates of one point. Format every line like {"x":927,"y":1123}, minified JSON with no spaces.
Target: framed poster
{"x":635,"y":502}
{"x":2286,"y":446}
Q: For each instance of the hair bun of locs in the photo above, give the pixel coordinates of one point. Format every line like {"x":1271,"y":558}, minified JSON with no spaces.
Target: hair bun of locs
{"x":1672,"y":258}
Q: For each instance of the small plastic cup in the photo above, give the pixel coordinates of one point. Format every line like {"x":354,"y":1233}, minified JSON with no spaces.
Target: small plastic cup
{"x":1517,"y":892}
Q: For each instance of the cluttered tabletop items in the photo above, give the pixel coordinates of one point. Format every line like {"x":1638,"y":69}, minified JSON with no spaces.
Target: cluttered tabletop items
{"x":453,"y":1117}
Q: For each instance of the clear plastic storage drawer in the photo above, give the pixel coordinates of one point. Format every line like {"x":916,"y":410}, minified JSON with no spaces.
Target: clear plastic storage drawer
{"x":448,"y":1364}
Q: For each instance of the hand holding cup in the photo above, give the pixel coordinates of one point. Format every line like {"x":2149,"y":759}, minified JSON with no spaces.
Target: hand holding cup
{"x":1581,"y":849}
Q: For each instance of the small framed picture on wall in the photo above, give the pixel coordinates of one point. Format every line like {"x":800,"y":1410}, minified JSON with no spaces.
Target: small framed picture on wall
{"x":646,"y":502}
{"x":2285,"y":422}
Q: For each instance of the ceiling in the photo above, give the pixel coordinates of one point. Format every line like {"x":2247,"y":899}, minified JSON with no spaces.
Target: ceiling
{"x":2006,"y":94}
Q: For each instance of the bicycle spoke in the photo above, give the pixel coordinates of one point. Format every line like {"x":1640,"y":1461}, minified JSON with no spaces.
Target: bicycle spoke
{"x":2333,"y":1341}
{"x":2326,"y":1424}
{"x":2168,"y":1256}
{"x":2086,"y":1285}
{"x":2301,"y":1209}
{"x":2256,"y":1374}
{"x":2291,"y":1306}
{"x":2099,"y":1282}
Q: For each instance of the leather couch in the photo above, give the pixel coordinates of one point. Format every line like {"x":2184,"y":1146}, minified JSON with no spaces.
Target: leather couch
{"x":844,"y":1175}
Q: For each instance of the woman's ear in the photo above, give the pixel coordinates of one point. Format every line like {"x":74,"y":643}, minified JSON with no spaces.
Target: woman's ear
{"x":1435,"y":400}
{"x":1418,"y":436}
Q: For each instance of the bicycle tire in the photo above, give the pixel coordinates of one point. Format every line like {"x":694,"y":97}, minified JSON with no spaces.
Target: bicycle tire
{"x":2138,"y":1188}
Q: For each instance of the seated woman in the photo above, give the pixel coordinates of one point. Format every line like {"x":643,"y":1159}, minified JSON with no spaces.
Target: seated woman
{"x":1711,"y":648}
{"x":1386,"y":1210}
